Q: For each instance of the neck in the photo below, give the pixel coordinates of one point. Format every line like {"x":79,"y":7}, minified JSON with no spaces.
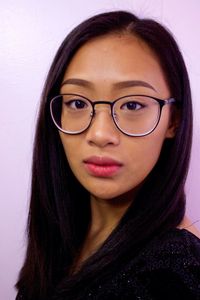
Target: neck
{"x":105,"y":216}
{"x":106,"y":213}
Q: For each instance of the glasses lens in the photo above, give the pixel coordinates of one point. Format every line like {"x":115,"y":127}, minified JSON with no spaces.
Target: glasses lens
{"x":71,"y":113}
{"x":136,"y":115}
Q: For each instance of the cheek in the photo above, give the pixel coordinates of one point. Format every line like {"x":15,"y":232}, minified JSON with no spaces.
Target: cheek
{"x":151,"y":145}
{"x":72,"y":146}
{"x":144,"y":153}
{"x":148,"y":155}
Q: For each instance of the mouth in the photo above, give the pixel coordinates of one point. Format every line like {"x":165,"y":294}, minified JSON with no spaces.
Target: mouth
{"x":102,"y":166}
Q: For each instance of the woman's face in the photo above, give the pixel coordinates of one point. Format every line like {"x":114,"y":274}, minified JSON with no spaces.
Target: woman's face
{"x":105,"y":161}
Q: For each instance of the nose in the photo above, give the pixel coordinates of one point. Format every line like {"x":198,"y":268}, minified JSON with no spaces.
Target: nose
{"x":102,"y":131}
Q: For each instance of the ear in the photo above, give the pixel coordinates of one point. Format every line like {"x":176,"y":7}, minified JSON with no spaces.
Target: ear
{"x":174,"y":123}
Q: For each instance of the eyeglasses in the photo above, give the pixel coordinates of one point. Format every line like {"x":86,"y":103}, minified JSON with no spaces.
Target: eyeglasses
{"x":134,"y":115}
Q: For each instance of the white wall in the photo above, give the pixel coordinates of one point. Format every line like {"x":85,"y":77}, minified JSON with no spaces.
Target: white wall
{"x":30,"y":33}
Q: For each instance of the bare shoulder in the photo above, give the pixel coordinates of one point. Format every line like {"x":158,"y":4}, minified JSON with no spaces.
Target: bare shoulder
{"x":190,"y":226}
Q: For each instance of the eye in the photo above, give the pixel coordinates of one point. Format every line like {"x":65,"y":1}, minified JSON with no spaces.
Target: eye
{"x":132,"y":105}
{"x":76,"y":104}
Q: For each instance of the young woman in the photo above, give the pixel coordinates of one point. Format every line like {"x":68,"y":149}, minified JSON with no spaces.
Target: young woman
{"x":111,"y":156}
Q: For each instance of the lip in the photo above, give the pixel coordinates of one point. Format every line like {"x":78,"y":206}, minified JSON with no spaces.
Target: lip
{"x":102,"y":166}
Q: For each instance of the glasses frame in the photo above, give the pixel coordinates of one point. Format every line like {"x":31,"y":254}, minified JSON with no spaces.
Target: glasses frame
{"x":161,"y":103}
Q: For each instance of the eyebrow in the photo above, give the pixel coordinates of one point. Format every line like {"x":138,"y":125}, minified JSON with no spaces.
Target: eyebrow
{"x":119,"y":85}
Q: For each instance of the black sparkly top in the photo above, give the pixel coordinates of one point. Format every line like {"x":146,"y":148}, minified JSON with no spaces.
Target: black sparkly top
{"x":168,"y":268}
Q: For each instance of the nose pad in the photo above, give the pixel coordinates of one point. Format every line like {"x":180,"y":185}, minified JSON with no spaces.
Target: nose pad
{"x":102,"y":130}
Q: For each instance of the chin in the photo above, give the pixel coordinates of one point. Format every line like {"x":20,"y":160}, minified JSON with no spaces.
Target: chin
{"x":125,"y":196}
{"x":104,"y":196}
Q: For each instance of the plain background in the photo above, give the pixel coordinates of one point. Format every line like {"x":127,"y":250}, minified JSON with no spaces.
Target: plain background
{"x":30,"y":33}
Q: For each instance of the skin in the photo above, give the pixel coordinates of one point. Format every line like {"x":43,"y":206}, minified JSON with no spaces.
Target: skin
{"x":104,"y":62}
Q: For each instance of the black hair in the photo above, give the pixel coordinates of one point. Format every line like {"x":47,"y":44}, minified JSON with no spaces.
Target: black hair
{"x":60,"y":209}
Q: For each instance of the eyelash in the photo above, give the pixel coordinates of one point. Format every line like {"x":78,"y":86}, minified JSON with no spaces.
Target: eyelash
{"x":134,"y":102}
{"x":74,"y":101}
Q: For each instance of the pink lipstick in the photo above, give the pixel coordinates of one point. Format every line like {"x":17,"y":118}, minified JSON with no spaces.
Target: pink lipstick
{"x":102,"y":166}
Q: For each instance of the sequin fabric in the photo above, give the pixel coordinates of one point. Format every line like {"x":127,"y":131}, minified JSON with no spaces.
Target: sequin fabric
{"x":168,"y":268}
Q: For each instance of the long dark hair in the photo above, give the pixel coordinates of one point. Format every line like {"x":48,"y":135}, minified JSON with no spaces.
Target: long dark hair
{"x":60,"y":209}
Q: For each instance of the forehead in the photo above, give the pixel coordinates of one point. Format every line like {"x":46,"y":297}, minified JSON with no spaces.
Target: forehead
{"x":113,"y":58}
